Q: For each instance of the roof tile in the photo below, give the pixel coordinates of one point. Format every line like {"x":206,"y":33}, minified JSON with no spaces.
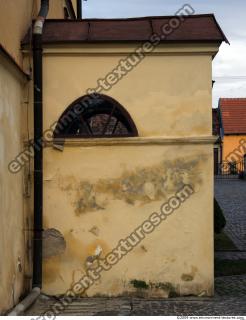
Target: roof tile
{"x":194,"y":28}
{"x":233,"y":113}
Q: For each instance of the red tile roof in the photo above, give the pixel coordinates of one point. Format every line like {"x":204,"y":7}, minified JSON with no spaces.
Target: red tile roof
{"x":233,"y":114}
{"x":195,"y":28}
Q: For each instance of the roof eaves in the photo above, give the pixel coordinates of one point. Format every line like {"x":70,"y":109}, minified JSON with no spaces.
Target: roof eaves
{"x":150,"y":20}
{"x":219,"y":27}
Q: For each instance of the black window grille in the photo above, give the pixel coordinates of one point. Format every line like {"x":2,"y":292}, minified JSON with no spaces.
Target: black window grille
{"x":95,"y":116}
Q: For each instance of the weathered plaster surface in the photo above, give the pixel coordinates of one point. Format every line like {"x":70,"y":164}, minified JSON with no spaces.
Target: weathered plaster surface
{"x":53,"y":243}
{"x":15,"y":19}
{"x":159,"y":93}
{"x":12,"y":246}
{"x":99,"y":195}
{"x":141,"y":186}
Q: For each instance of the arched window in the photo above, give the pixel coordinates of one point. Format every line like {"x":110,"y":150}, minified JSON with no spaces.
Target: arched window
{"x":94,"y":116}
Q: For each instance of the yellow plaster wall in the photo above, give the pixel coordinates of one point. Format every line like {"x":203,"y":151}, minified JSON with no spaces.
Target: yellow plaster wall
{"x":232,"y":143}
{"x":166,"y":95}
{"x":55,"y":9}
{"x":15,"y":19}
{"x":97,"y":195}
{"x":74,"y":2}
{"x":12,"y":241}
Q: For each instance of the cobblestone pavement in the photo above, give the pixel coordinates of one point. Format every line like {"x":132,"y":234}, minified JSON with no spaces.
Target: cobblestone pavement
{"x":230,"y":255}
{"x":229,"y":300}
{"x":231,"y":195}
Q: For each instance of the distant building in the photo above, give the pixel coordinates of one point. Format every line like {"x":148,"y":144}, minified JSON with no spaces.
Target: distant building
{"x":232,"y":115}
{"x":218,"y":143}
{"x":229,"y":124}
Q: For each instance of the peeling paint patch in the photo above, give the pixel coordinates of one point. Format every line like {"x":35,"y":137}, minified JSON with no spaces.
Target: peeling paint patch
{"x":86,"y":199}
{"x":91,"y":259}
{"x":137,"y":187}
{"x":53,"y":243}
{"x":94,"y":230}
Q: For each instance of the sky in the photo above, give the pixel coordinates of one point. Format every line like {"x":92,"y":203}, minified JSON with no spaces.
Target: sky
{"x":229,"y":66}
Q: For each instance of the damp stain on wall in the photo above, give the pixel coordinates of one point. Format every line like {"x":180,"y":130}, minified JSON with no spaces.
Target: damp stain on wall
{"x":54,"y":243}
{"x":189,"y":276}
{"x":154,"y":289}
{"x":51,"y":269}
{"x":60,"y":250}
{"x":137,"y":187}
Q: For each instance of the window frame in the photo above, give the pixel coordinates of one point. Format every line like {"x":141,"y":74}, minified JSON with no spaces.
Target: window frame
{"x":117,"y":108}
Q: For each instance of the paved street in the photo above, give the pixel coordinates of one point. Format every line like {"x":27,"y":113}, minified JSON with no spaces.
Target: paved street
{"x":231,"y":195}
{"x":231,"y":255}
